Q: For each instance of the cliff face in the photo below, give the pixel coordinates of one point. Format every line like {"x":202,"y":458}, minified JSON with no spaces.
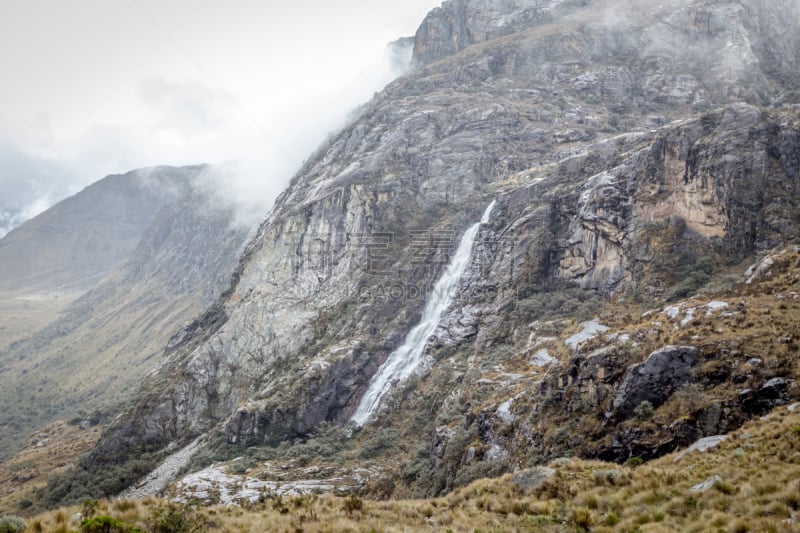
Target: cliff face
{"x":613,"y":135}
{"x":459,"y":24}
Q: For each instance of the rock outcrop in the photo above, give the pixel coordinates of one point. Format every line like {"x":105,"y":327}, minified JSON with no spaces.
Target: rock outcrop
{"x":654,"y":380}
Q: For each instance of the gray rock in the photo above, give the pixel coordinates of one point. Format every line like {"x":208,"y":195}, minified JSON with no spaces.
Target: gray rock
{"x":531,"y":478}
{"x":612,"y":474}
{"x":458,"y":24}
{"x":552,"y":120}
{"x":654,"y":380}
{"x":706,"y":485}
{"x":774,"y":389}
{"x":702,"y":445}
{"x":441,"y":437}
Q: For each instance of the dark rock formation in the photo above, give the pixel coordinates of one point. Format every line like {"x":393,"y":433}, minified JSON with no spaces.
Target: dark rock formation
{"x":654,"y":380}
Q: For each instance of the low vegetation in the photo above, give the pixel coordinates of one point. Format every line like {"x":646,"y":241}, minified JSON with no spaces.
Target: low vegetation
{"x":750,"y":482}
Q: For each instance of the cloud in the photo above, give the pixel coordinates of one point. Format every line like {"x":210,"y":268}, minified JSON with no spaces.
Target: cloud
{"x":30,"y":185}
{"x":251,"y":181}
{"x":187,"y":122}
{"x":254,"y":87}
{"x":186,"y":106}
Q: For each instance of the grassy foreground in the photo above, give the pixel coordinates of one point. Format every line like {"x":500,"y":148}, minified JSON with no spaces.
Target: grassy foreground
{"x":757,"y":488}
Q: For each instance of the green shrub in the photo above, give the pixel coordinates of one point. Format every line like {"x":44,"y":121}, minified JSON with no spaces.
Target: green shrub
{"x":175,"y":518}
{"x":558,"y":302}
{"x":107,"y":524}
{"x":644,"y":410}
{"x":479,"y":470}
{"x":385,"y":440}
{"x":12,"y":524}
{"x":352,"y":504}
{"x":89,"y":507}
{"x":80,"y":483}
{"x":633,"y":462}
{"x":611,"y":519}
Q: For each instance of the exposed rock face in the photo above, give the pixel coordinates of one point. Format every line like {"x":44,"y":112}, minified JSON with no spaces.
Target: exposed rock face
{"x":661,"y":374}
{"x":458,"y":24}
{"x":531,"y":478}
{"x":577,"y":124}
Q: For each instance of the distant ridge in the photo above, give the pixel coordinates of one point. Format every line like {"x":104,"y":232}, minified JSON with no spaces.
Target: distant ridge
{"x":72,"y":245}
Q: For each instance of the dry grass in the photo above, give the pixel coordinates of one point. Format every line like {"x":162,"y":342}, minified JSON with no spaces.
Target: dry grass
{"x":759,"y":466}
{"x":29,"y":468}
{"x":20,"y":316}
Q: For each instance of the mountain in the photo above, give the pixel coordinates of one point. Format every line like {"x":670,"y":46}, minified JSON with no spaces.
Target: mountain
{"x":55,"y":257}
{"x":634,"y":155}
{"x":92,"y":356}
{"x":75,"y":243}
{"x":9,"y":218}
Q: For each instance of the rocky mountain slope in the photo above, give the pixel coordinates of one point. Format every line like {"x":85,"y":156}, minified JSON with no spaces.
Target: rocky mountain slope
{"x":638,"y":153}
{"x":103,"y":343}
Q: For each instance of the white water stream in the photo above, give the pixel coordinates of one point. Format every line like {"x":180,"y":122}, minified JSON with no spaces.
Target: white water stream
{"x":402,"y":362}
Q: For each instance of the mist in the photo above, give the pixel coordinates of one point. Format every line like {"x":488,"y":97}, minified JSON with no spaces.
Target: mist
{"x":99,"y":88}
{"x":250,"y":182}
{"x":29,"y":185}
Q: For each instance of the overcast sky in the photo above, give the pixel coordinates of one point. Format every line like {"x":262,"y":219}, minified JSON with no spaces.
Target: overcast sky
{"x":93,"y":87}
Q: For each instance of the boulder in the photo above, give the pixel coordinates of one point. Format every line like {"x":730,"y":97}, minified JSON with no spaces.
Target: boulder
{"x":531,"y":478}
{"x":707,"y":484}
{"x":654,"y":380}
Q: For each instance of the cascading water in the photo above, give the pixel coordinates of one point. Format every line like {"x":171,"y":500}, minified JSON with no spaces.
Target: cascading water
{"x":402,"y":362}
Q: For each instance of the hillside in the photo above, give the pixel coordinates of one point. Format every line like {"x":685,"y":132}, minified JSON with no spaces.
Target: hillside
{"x":634,"y":155}
{"x":74,"y":244}
{"x":734,"y":485}
{"x":92,"y":356}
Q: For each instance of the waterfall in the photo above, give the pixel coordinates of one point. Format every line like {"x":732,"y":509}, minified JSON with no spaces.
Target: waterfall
{"x":402,"y":362}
